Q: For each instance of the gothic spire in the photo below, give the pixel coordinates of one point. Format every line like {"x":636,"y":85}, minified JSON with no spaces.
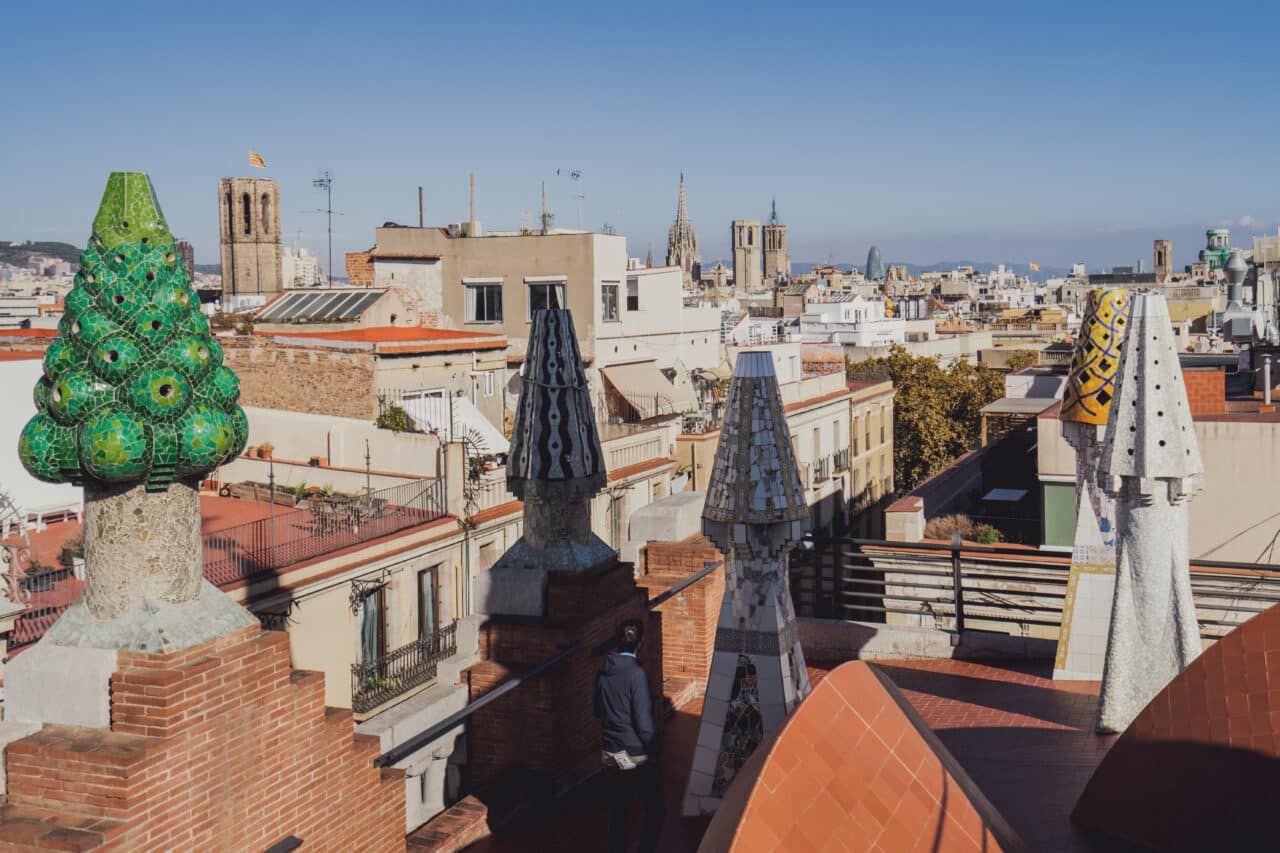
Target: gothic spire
{"x":682,"y":211}
{"x":773,"y":211}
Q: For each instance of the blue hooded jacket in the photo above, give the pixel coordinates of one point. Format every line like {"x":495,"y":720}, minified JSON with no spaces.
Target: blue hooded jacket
{"x":623,"y":706}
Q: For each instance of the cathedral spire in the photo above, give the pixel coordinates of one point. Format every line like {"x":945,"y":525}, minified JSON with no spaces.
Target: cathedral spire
{"x":682,"y":243}
{"x":773,"y":211}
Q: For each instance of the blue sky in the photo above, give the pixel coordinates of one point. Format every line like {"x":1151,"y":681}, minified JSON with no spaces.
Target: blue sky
{"x":989,"y":132}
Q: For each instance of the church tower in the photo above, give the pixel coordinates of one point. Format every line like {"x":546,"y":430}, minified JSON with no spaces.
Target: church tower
{"x":777,"y":260}
{"x":744,"y":236}
{"x":249,"y":229}
{"x":682,"y":243}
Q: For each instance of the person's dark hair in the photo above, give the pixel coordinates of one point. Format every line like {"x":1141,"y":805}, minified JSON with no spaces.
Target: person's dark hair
{"x":630,"y":633}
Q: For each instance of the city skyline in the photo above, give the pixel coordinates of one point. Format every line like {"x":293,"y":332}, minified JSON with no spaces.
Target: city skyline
{"x":1002,"y":137}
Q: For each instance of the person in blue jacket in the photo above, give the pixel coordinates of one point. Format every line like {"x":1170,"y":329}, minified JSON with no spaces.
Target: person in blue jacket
{"x":630,"y":741}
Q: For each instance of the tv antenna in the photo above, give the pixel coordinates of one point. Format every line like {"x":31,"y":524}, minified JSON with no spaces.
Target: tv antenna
{"x":575,"y":175}
{"x":325,"y":182}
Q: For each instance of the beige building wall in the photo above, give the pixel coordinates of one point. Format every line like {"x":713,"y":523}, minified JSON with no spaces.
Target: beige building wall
{"x":1234,"y":518}
{"x":582,"y":261}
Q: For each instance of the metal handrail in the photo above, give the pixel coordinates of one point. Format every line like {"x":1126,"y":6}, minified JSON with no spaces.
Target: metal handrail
{"x":946,"y":579}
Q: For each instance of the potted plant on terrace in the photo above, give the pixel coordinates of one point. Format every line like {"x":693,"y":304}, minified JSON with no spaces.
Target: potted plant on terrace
{"x":72,"y":547}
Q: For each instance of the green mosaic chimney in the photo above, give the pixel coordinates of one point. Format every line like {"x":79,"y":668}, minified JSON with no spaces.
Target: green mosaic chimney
{"x":134,"y":389}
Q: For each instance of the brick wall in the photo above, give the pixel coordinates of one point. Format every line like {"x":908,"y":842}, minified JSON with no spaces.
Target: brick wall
{"x":221,"y":746}
{"x":688,"y":620}
{"x":548,"y":722}
{"x":302,"y":379}
{"x":1206,"y":391}
{"x":360,"y":269}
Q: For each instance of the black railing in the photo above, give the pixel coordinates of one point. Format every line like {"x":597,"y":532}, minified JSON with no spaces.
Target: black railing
{"x":325,"y":526}
{"x":948,"y":587}
{"x":841,"y":460}
{"x":385,"y":677}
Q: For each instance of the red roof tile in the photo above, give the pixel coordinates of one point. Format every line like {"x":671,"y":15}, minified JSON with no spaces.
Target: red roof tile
{"x":22,"y":355}
{"x":388,"y":334}
{"x":28,"y":333}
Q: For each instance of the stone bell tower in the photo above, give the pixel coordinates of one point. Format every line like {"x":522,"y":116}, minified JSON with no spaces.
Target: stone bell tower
{"x":249,"y":230}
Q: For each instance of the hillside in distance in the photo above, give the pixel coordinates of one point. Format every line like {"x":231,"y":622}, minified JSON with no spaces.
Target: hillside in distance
{"x":18,"y":253}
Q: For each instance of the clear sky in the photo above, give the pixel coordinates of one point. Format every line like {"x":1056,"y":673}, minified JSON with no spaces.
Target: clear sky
{"x":951,"y":131}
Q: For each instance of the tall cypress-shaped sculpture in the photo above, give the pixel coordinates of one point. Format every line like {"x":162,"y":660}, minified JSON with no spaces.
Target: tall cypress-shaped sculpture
{"x":556,"y":467}
{"x":1086,"y":406}
{"x":1150,"y":463}
{"x":755,"y":509}
{"x":136,"y":406}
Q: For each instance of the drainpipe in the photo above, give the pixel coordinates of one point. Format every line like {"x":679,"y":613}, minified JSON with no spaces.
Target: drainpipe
{"x":1266,"y":379}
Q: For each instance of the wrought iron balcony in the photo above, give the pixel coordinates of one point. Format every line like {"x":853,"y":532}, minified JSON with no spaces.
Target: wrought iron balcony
{"x":385,"y":677}
{"x":842,"y":460}
{"x":822,"y":469}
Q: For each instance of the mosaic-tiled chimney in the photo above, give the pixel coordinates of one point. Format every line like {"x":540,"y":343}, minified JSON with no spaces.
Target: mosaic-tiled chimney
{"x":1086,"y":405}
{"x":1151,"y":464}
{"x":555,"y":466}
{"x":755,"y":510}
{"x":136,"y":406}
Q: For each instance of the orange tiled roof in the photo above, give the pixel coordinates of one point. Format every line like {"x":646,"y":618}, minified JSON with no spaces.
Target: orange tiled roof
{"x":855,"y":762}
{"x":29,"y":333}
{"x":21,"y":355}
{"x":403,"y":339}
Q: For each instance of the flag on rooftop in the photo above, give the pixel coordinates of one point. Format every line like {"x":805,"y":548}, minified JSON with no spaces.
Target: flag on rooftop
{"x":1035,"y":267}
{"x":255,"y":159}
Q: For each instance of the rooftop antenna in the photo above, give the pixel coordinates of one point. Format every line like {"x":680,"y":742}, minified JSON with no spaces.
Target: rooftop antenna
{"x":575,"y":175}
{"x":421,"y":220}
{"x":325,"y":182}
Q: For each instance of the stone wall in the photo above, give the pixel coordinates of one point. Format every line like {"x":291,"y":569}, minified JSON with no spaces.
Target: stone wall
{"x":303,"y":379}
{"x":688,"y":620}
{"x":220,"y":746}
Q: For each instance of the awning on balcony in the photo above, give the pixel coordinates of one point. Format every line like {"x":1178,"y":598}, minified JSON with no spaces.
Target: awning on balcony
{"x":467,"y":422}
{"x":649,"y":392}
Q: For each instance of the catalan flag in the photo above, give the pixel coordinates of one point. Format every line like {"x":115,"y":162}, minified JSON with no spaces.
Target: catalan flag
{"x":255,"y":159}
{"x":1035,"y":267}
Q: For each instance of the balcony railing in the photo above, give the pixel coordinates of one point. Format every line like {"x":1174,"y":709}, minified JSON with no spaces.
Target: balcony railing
{"x":382,"y":679}
{"x":841,"y":460}
{"x":293,"y":536}
{"x":822,"y":469}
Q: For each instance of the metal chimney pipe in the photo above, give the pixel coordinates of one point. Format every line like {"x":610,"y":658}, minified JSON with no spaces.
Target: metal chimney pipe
{"x":1266,"y":379}
{"x":421,"y":221}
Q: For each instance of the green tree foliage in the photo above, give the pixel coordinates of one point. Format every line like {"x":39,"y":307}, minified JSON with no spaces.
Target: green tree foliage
{"x":396,"y":419}
{"x":1021,"y":358}
{"x":936,"y":410}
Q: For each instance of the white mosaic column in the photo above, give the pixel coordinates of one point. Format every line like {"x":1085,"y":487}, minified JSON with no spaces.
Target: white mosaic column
{"x":755,"y":510}
{"x":1151,"y":464}
{"x":1086,"y":406}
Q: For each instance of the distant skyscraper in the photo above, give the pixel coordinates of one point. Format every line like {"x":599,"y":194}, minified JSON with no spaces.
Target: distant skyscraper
{"x":777,"y":260}
{"x":745,"y":238}
{"x":188,"y":255}
{"x":875,"y":264}
{"x":682,"y":242}
{"x":249,"y":225}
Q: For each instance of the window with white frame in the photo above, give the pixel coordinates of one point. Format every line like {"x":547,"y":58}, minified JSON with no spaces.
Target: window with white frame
{"x":633,"y":294}
{"x":545,"y":293}
{"x":608,"y":301}
{"x":483,"y":383}
{"x":483,"y":300}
